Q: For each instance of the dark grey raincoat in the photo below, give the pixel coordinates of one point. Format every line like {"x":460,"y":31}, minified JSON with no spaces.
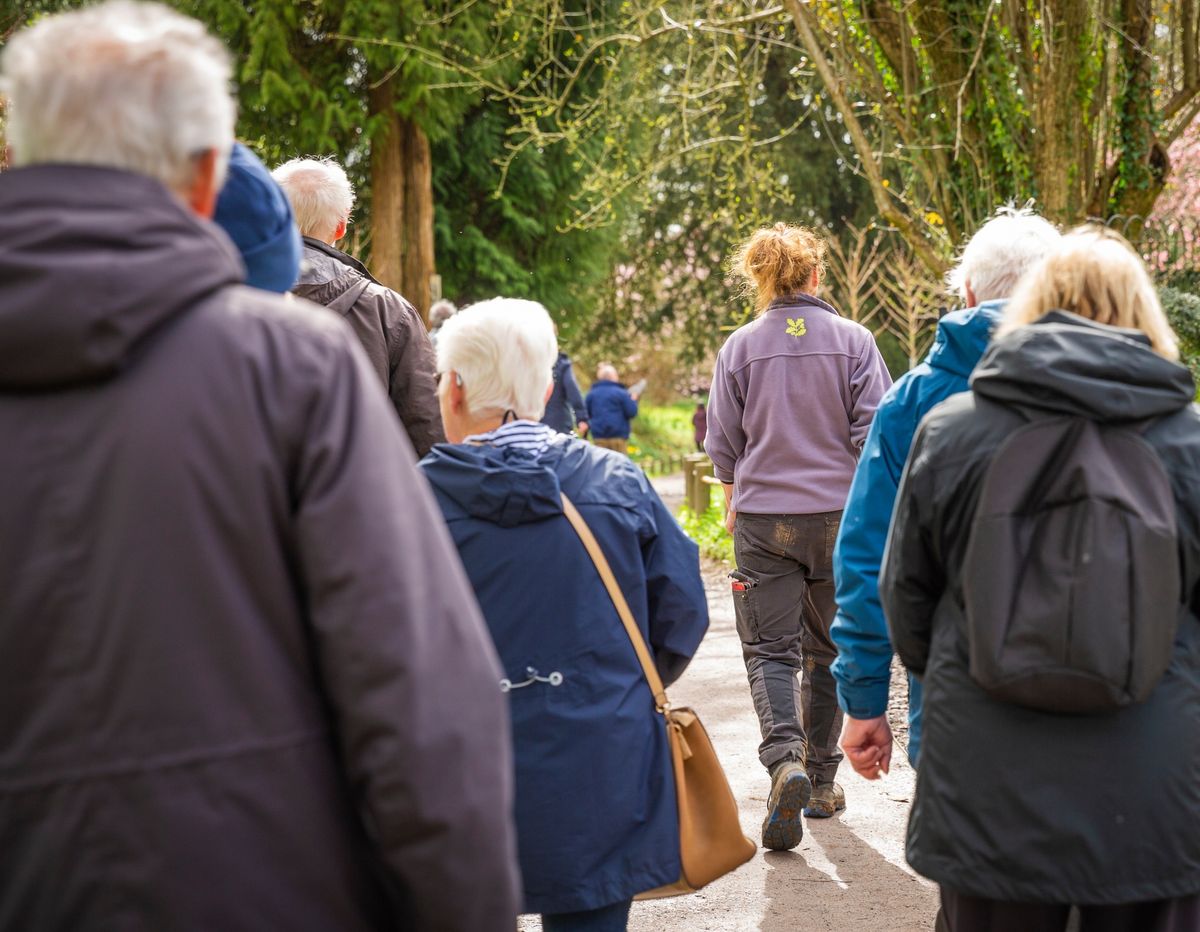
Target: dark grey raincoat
{"x":243,"y":682}
{"x":1013,"y":803}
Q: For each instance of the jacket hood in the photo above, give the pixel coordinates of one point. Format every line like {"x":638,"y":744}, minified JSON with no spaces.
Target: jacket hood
{"x":1067,"y":364}
{"x":962,"y":337}
{"x":331,"y":278}
{"x":502,"y":485}
{"x":92,"y":262}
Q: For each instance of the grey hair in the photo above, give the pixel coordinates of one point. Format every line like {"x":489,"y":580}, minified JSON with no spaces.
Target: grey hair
{"x":606,"y":370}
{"x":441,"y":311}
{"x":133,"y":86}
{"x":320,"y":193}
{"x":504,"y":351}
{"x":1001,"y":252}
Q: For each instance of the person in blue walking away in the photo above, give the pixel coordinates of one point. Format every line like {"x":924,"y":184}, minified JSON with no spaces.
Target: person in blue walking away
{"x":791,"y":401}
{"x":992,"y":263}
{"x":565,"y":410}
{"x":610,"y":408}
{"x":595,"y":796}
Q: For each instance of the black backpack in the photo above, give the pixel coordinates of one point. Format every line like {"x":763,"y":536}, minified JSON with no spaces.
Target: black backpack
{"x":1071,"y":579}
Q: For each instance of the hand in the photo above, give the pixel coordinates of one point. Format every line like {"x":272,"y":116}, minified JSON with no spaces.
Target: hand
{"x":730,"y":520}
{"x":868,"y":745}
{"x":581,"y":428}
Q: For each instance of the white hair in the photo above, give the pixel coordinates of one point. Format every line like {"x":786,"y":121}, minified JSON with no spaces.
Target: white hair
{"x":606,"y":370}
{"x":321,"y":194}
{"x":441,"y":311}
{"x":503,"y":351}
{"x":1001,"y":252}
{"x":125,"y":85}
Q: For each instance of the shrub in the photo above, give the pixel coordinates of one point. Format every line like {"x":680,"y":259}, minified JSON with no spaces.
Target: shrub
{"x":1183,"y":312}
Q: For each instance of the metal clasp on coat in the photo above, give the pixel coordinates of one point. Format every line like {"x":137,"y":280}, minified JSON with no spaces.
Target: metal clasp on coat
{"x":554,"y":679}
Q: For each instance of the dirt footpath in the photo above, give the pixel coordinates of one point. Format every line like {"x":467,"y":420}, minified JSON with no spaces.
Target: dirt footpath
{"x":848,"y":873}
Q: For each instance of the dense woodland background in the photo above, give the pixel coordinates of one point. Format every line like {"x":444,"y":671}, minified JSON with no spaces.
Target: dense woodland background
{"x":603,"y":156}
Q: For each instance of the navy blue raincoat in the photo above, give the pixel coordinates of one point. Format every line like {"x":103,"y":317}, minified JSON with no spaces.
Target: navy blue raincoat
{"x":595,"y":802}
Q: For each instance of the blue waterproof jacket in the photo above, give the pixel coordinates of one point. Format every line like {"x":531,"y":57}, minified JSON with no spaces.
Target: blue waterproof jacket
{"x":610,"y":409}
{"x":595,"y":798}
{"x":565,"y":407}
{"x":863,"y":665}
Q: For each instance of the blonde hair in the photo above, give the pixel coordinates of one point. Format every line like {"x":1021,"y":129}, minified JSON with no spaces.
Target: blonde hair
{"x":777,"y":261}
{"x":1095,"y":273}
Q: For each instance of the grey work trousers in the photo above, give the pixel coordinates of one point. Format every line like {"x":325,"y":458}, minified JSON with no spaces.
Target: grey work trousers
{"x":784,"y":605}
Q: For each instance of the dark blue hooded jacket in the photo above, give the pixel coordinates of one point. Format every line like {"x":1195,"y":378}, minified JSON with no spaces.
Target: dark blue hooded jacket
{"x":595,"y":802}
{"x":610,"y":408}
{"x":863,"y":665}
{"x":565,"y":407}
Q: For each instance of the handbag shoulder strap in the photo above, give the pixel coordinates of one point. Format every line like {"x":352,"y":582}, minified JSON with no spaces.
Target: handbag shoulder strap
{"x":618,"y":599}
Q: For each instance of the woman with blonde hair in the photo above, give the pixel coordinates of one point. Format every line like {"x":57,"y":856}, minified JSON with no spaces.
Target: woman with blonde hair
{"x":1060,"y":657}
{"x":791,"y":402}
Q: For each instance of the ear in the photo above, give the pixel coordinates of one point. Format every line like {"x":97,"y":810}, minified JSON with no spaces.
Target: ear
{"x":814,"y":281}
{"x":454,"y":391}
{"x":201,"y":194}
{"x":339,"y":231}
{"x":549,"y":392}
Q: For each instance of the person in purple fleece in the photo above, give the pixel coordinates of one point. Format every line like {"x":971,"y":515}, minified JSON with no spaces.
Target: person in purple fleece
{"x":792,"y":399}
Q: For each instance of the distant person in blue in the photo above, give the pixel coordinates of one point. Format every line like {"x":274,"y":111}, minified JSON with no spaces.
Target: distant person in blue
{"x":565,"y":409}
{"x":610,"y":407}
{"x":253,"y":210}
{"x":595,"y":798}
{"x":992,"y":263}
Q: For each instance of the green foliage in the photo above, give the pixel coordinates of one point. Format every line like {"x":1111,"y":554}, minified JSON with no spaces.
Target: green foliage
{"x":662,"y":433}
{"x":708,"y":529}
{"x":1183,"y":312}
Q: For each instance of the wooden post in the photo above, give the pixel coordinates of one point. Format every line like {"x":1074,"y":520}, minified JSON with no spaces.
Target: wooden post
{"x":701,"y":491}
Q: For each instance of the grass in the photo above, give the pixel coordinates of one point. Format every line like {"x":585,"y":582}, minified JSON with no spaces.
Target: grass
{"x":708,"y":529}
{"x":661,"y":434}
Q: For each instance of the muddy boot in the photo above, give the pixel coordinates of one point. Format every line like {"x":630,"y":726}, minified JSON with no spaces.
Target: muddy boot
{"x":827,"y":798}
{"x":790,"y":789}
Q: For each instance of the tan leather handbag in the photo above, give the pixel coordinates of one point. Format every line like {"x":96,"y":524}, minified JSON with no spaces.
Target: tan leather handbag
{"x":711,"y":843}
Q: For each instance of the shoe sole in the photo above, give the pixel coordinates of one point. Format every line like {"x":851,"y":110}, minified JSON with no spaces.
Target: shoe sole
{"x":812,"y":812}
{"x":782,"y":828}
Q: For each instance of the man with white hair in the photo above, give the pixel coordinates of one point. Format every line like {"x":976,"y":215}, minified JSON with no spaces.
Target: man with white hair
{"x":610,"y":407}
{"x":387,"y":326}
{"x":992,"y":263}
{"x":243,"y":681}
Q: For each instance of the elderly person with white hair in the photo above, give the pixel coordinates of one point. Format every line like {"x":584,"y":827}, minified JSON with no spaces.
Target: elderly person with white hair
{"x":596,"y":813}
{"x":992,"y":264}
{"x":229,"y":607}
{"x":388,"y":326}
{"x":610,"y":407}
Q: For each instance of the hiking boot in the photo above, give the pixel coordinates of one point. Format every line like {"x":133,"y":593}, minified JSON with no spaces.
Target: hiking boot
{"x":790,"y":789}
{"x":827,"y":798}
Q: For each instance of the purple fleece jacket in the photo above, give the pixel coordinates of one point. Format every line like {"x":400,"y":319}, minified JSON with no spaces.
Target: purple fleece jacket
{"x":792,"y":399}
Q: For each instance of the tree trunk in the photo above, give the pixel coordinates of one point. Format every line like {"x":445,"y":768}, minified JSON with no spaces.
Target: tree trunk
{"x":1059,"y":116}
{"x":401,"y":201}
{"x":387,"y":188}
{"x":419,"y":265}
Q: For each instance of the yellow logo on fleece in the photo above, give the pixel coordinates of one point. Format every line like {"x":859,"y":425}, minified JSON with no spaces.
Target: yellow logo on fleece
{"x":795,"y":328}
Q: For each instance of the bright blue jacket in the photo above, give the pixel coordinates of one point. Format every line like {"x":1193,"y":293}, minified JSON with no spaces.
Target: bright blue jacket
{"x":610,"y":408}
{"x":595,"y":796}
{"x":863,"y":665}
